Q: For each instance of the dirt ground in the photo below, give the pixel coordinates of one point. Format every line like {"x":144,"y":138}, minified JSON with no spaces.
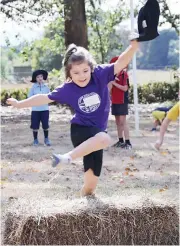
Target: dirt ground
{"x":26,"y":170}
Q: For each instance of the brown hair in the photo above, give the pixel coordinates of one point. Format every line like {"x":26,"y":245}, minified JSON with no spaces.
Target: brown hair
{"x":78,"y":55}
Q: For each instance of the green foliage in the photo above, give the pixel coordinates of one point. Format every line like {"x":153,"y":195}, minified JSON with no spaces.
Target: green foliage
{"x":106,"y":38}
{"x":147,"y":93}
{"x":7,"y":58}
{"x":56,"y":77}
{"x":18,"y":94}
{"x":156,"y":92}
{"x":40,"y":9}
{"x":30,"y":11}
{"x":4,"y":69}
{"x":102,"y":26}
{"x":168,"y":16}
{"x":47,"y":53}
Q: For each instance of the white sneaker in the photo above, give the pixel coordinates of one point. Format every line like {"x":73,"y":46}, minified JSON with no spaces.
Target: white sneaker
{"x":63,"y":159}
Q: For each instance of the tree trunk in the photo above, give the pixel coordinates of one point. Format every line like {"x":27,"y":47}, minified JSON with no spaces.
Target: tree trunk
{"x":75,"y":23}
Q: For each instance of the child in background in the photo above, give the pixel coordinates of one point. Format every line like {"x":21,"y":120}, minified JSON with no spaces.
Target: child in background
{"x":39,"y":114}
{"x":172,"y":115}
{"x":159,"y":115}
{"x":119,"y":97}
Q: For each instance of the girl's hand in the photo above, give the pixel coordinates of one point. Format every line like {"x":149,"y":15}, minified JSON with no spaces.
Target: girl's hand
{"x":13,"y":102}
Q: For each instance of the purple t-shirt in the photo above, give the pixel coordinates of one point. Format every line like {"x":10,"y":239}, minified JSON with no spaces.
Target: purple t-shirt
{"x":91,"y":103}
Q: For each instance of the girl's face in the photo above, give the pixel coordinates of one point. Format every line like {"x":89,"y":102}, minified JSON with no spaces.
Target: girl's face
{"x":80,"y":74}
{"x":39,"y":78}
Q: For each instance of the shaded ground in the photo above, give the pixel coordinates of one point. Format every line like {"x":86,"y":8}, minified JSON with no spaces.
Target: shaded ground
{"x":26,"y":170}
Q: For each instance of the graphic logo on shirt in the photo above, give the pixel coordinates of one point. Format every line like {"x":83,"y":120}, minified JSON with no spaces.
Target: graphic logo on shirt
{"x":89,"y":102}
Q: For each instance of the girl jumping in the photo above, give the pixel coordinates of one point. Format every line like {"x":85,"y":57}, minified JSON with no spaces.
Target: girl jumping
{"x":86,"y":91}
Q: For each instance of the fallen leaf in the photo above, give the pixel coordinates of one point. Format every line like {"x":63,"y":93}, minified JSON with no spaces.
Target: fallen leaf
{"x":127,"y":169}
{"x":164,"y":189}
{"x":164,"y":153}
{"x":161,"y":190}
{"x":132,"y":157}
{"x":131,"y":175}
{"x":126,"y":173}
{"x":135,"y":170}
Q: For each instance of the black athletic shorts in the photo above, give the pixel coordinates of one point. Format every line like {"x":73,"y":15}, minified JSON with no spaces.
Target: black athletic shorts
{"x":119,"y":109}
{"x":79,"y":134}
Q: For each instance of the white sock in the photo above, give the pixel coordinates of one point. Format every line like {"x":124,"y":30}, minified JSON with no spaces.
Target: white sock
{"x":66,"y":158}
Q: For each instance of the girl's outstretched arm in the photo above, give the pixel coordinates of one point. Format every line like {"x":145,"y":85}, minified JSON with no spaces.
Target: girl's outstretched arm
{"x":36,"y":100}
{"x":125,"y":58}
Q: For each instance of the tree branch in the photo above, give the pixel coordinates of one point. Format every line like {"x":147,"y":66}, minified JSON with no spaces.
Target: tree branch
{"x":98,"y":31}
{"x":171,"y":18}
{"x":16,"y":10}
{"x":20,"y":11}
{"x":4,"y":2}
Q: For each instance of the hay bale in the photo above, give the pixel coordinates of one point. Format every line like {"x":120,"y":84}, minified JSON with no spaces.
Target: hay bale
{"x":85,"y":222}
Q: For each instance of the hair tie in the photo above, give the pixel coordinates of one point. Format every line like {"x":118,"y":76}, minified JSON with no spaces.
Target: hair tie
{"x":69,"y":55}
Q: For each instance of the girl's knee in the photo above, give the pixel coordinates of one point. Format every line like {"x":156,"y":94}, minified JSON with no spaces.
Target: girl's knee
{"x":104,"y":139}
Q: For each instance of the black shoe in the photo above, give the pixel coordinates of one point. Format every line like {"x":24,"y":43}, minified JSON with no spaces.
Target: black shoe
{"x":119,"y":144}
{"x":127,"y":146}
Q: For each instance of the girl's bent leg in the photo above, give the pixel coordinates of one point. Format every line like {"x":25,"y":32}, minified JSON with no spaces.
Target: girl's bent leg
{"x":99,"y":141}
